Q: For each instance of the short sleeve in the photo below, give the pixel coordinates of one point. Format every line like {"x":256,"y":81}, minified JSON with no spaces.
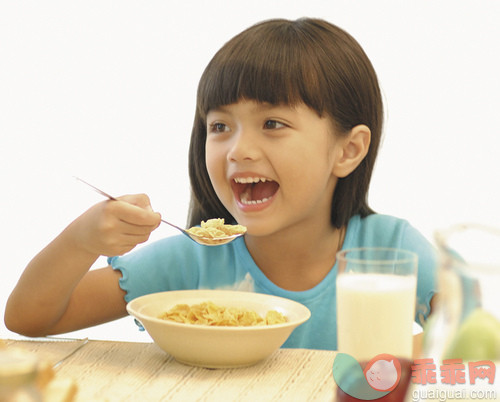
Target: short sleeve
{"x":163,"y":265}
{"x":427,"y":270}
{"x":177,"y":263}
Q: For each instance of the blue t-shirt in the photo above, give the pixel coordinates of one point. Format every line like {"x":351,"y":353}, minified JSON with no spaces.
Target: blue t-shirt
{"x":177,"y":263}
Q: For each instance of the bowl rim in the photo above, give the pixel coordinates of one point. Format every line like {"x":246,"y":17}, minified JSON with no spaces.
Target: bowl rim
{"x":304,"y":311}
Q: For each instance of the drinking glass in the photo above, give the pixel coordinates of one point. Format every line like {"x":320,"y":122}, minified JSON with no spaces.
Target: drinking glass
{"x":376,"y":293}
{"x":376,"y":298}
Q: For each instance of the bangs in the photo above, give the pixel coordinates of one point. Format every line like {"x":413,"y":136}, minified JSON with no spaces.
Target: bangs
{"x":272,"y":63}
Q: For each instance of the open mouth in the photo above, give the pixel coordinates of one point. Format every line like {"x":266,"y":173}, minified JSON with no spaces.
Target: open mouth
{"x":254,"y":190}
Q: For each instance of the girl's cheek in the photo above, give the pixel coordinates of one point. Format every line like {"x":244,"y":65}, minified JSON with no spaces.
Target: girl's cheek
{"x":215,"y":168}
{"x":210,"y":166}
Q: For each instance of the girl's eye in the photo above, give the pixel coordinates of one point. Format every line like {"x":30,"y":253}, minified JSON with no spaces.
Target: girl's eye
{"x":273,"y":125}
{"x":218,"y":128}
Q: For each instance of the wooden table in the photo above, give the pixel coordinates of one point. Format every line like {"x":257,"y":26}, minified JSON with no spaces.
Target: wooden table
{"x":127,"y":371}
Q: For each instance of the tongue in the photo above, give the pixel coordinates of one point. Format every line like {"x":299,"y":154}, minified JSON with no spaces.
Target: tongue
{"x":262,"y":190}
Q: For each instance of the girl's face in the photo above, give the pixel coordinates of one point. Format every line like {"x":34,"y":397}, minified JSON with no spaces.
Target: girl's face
{"x":271,"y":166}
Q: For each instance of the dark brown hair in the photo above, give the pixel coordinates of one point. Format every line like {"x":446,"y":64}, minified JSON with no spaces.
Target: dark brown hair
{"x":306,"y":61}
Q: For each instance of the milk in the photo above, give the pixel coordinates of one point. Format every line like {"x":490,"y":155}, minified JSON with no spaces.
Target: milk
{"x":375,"y":314}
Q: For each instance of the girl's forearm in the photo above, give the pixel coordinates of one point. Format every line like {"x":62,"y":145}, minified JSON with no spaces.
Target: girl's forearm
{"x":42,"y":294}
{"x":51,"y":296}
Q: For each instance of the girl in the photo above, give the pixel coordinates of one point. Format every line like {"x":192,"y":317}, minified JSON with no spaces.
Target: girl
{"x":286,"y":132}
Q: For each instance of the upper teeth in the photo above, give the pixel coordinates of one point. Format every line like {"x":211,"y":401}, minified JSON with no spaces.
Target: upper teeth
{"x":250,"y":179}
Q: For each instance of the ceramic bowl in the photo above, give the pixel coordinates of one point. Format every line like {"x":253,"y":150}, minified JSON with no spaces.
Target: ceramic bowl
{"x":217,"y":346}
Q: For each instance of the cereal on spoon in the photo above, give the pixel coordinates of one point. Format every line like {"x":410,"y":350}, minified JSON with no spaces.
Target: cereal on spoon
{"x":215,"y":230}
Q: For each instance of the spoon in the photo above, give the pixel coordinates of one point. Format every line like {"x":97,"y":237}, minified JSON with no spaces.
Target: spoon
{"x":205,"y":241}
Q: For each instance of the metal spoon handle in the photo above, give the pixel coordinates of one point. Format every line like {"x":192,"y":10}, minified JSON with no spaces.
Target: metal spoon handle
{"x":97,"y":189}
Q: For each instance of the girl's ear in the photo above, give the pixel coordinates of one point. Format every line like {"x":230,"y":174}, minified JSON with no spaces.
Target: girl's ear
{"x":352,"y":150}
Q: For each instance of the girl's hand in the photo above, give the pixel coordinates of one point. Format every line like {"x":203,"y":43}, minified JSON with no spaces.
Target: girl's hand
{"x":115,"y":227}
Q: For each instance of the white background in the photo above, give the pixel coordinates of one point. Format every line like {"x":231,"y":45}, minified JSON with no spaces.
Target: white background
{"x":105,"y":90}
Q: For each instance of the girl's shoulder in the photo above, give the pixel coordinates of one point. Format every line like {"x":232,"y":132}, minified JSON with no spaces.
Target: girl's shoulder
{"x":376,"y":222}
{"x":379,"y":230}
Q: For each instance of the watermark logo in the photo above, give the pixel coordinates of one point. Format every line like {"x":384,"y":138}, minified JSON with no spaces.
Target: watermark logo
{"x":452,"y":371}
{"x":383,"y":372}
{"x":453,"y":379}
{"x":379,"y":377}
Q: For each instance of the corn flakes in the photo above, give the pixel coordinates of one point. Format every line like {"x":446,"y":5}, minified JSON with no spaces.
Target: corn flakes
{"x":208,"y":313}
{"x":216,"y":229}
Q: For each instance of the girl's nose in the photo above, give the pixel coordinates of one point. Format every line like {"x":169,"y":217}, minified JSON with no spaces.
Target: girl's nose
{"x":244,"y":146}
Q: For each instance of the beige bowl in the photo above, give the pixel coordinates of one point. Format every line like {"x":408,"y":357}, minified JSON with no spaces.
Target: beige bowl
{"x":217,"y":347}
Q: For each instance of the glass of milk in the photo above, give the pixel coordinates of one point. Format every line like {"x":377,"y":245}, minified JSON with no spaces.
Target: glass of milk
{"x":376,"y":292}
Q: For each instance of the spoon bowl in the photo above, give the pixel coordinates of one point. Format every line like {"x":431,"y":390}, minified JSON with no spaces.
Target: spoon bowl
{"x":205,"y":241}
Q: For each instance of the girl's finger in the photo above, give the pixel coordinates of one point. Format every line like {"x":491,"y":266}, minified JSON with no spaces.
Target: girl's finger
{"x":133,"y":214}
